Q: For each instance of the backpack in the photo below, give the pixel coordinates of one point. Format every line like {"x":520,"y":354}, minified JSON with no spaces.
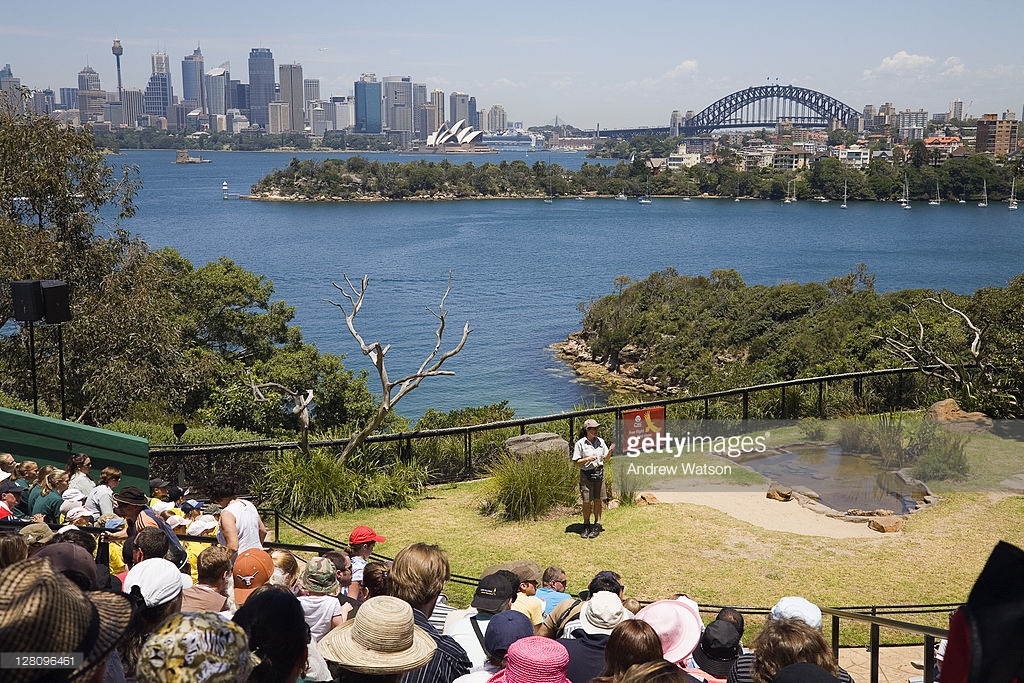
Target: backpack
{"x":176,"y":553}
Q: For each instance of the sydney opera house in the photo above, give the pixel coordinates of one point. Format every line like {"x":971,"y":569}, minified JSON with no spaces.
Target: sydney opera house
{"x":459,"y":135}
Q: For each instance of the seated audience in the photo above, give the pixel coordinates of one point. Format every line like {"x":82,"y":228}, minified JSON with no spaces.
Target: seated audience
{"x":586,"y":644}
{"x":552,"y":592}
{"x":718,"y":649}
{"x":78,"y":469}
{"x":534,"y":660}
{"x":492,"y":596}
{"x":252,"y":568}
{"x":272,"y":618}
{"x":526,"y":600}
{"x":504,"y":629}
{"x":678,"y":625}
{"x":13,"y":548}
{"x":286,"y":568}
{"x":342,"y":562}
{"x":632,"y":642}
{"x":656,"y":672}
{"x":36,"y":535}
{"x":569,"y":610}
{"x":803,"y":672}
{"x":155,"y":586}
{"x":375,"y":580}
{"x":361,"y":543}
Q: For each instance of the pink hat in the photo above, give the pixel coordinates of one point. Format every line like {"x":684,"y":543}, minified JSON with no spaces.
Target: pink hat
{"x":677,"y":624}
{"x":536,"y":660}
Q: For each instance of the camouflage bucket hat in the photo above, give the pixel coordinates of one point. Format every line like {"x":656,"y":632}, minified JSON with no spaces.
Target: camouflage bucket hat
{"x":198,"y":647}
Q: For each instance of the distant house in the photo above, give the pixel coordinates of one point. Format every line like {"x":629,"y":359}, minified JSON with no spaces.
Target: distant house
{"x":790,"y":159}
{"x":884,"y":155}
{"x":943,"y":145}
{"x":853,"y":156}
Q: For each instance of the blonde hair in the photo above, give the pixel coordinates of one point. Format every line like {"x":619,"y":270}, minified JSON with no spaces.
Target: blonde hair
{"x":289,"y":566}
{"x":50,"y":481}
{"x":787,"y":641}
{"x":418,"y":574}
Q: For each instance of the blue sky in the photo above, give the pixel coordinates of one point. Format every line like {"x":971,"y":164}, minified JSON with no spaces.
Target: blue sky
{"x":614,"y":64}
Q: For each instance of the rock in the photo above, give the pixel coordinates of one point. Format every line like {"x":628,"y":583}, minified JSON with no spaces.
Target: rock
{"x":803,"y":490}
{"x":930,"y":500}
{"x":611,"y":504}
{"x":900,"y":483}
{"x":777,"y":491}
{"x":886,"y":525}
{"x":882,"y":513}
{"x":646,"y":499}
{"x":1012,"y":484}
{"x":542,"y":442}
{"x":948,"y":414}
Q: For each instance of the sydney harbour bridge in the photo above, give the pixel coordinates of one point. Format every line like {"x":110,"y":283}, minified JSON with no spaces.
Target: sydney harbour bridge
{"x":761,"y":106}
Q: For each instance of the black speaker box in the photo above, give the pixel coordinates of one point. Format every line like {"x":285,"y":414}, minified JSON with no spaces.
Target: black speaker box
{"x":28,"y":300}
{"x":55,"y":298}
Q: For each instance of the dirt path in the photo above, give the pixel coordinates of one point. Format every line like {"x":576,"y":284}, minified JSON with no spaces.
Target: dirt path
{"x":755,"y":508}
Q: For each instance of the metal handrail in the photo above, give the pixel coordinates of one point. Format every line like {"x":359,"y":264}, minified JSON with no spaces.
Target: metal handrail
{"x":930,"y":633}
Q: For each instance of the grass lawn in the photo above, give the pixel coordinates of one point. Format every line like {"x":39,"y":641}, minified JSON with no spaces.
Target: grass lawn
{"x":673,"y":548}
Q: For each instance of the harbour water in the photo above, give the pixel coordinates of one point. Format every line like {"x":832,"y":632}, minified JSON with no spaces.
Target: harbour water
{"x":520,"y":267}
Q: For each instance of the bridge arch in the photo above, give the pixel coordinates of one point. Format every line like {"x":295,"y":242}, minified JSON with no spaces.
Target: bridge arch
{"x":766,"y":105}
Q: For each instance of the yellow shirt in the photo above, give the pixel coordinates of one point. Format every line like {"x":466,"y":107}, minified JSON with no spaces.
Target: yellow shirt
{"x":531,"y":606}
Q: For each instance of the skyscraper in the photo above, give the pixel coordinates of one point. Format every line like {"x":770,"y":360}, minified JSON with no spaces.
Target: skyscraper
{"x":459,"y":108}
{"x":291,"y":92}
{"x":419,"y":100}
{"x":159,"y":94}
{"x":956,"y":109}
{"x":261,"y":85}
{"x":474,"y":114}
{"x":216,"y":85}
{"x":192,"y":91}
{"x":437,"y":100}
{"x":369,"y":118}
{"x":90,"y":97}
{"x":398,"y":110}
{"x":310,"y":92}
{"x":496,"y":119}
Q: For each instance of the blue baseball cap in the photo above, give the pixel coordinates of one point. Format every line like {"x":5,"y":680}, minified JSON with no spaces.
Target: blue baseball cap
{"x":505,"y":628}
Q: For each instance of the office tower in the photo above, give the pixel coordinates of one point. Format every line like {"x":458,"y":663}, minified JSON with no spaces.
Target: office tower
{"x":459,"y":108}
{"x":291,"y":92}
{"x":43,"y":101}
{"x":69,"y":98}
{"x":344,"y":114}
{"x":496,"y":119}
{"x":956,"y":109}
{"x":995,"y":136}
{"x":279,"y":117}
{"x":240,"y":97}
{"x":216,"y":85}
{"x":90,"y":97}
{"x":113,"y":111}
{"x":474,"y":114}
{"x":369,"y":114}
{"x":419,"y":99}
{"x":398,"y":109}
{"x":437,"y":100}
{"x":261,"y":85}
{"x":117,"y":51}
{"x":433,"y":119}
{"x":161,"y":63}
{"x":10,"y":91}
{"x":192,"y":91}
{"x":310,"y":92}
{"x":132,"y":106}
{"x":318,"y":120}
{"x":158,"y":95}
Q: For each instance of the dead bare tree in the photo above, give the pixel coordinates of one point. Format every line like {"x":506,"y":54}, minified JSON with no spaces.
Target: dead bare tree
{"x":431,"y":366}
{"x":300,"y":406}
{"x":915,"y":349}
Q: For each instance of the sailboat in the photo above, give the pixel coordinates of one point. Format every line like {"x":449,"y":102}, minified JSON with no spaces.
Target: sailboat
{"x":549,"y":199}
{"x":646,"y":199}
{"x":846,"y":184}
{"x":984,"y":197}
{"x":789,"y":200}
{"x":935,"y":202}
{"x":620,"y":197}
{"x":1013,"y":195}
{"x":905,"y":201}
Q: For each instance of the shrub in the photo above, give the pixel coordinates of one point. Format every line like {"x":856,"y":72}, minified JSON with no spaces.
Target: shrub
{"x":946,"y":458}
{"x":320,"y":486}
{"x":855,"y":436}
{"x":812,"y":430}
{"x":531,"y":487}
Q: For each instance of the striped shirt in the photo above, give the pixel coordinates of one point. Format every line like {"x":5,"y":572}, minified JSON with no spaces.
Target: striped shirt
{"x":449,"y":662}
{"x":743,"y":671}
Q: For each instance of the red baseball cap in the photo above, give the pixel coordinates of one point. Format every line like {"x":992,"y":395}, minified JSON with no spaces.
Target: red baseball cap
{"x":364,"y":534}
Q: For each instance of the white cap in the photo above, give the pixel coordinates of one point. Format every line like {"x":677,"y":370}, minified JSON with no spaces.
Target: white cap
{"x":794,"y":607}
{"x":158,"y":580}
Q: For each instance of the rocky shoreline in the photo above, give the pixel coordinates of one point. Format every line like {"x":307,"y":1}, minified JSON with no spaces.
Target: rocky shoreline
{"x":575,"y":352}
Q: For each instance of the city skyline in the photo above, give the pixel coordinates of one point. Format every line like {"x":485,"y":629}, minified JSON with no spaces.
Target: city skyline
{"x":606,"y":66}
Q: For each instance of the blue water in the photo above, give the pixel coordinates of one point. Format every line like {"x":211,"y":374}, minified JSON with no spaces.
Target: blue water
{"x":519,"y":267}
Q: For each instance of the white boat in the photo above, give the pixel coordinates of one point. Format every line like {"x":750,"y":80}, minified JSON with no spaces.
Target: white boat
{"x":579,"y":199}
{"x":789,"y":199}
{"x":1013,"y":195}
{"x":905,"y":201}
{"x":846,"y":186}
{"x":620,"y":197}
{"x":646,"y":199}
{"x":984,"y":197}
{"x":936,"y":201}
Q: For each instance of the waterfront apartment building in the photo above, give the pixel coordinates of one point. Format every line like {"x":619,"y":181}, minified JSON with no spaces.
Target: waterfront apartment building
{"x":193,"y":92}
{"x":853,"y":156}
{"x":261,"y":85}
{"x":369,"y":105}
{"x":911,"y":124}
{"x":292,"y":93}
{"x":994,"y":136}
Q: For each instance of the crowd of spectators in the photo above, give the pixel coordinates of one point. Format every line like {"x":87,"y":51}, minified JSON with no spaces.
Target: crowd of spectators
{"x":234,"y":610}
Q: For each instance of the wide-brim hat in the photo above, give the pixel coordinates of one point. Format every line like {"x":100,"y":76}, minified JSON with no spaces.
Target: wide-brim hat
{"x":131,"y":495}
{"x":36,"y":532}
{"x":381,"y":639}
{"x":536,"y":659}
{"x":718,"y":649}
{"x":677,"y":624}
{"x":42,"y":611}
{"x":602,"y":613}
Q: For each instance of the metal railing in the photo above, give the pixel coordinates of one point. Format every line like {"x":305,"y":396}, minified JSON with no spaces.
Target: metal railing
{"x":405,"y":440}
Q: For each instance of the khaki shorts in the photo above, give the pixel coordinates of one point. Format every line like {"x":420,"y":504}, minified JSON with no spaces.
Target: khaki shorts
{"x":592,"y":489}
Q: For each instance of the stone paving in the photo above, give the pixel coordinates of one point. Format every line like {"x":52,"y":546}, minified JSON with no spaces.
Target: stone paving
{"x":893,"y":663}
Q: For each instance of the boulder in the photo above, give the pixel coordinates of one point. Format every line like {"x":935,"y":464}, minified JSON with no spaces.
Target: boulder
{"x":542,"y":442}
{"x":886,"y":525}
{"x":1014,"y":484}
{"x":870,"y":513}
{"x":948,"y":414}
{"x":777,"y":491}
{"x":803,"y":490}
{"x":646,"y":499}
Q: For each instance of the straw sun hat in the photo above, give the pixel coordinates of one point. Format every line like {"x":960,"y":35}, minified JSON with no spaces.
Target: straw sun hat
{"x":381,"y":639}
{"x":41,"y":611}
